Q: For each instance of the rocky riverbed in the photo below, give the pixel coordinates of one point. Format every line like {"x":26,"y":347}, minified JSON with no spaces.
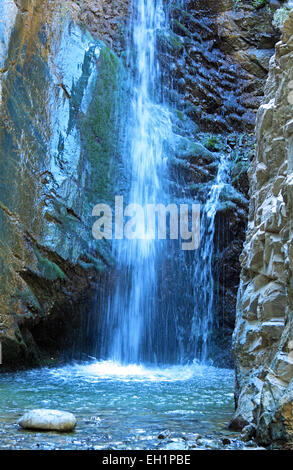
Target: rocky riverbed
{"x":122,"y":407}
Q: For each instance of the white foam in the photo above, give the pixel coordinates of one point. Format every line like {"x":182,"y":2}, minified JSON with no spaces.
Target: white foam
{"x":103,"y":370}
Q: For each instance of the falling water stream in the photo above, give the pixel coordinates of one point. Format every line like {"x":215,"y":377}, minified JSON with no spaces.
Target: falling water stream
{"x":204,"y":289}
{"x":130,"y":321}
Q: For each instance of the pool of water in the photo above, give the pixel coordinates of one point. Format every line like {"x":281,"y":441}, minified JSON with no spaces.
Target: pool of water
{"x":116,"y":406}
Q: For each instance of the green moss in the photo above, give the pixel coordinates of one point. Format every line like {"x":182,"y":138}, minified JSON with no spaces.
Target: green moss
{"x":19,"y":337}
{"x":169,"y":41}
{"x":180,"y":27}
{"x":231,"y":195}
{"x":180,"y":115}
{"x":186,"y":148}
{"x":259,"y":3}
{"x":48,"y":269}
{"x":99,"y":128}
{"x":213,"y":143}
{"x":239,"y":169}
{"x":175,"y":42}
{"x":179,"y":163}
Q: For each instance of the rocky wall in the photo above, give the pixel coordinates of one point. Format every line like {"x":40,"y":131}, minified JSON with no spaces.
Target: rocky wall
{"x":263,"y":337}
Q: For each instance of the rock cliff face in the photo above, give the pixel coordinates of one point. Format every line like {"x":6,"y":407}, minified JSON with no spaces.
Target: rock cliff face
{"x":104,"y":19}
{"x":263,"y":337}
{"x":222,"y":64}
{"x":56,"y":142}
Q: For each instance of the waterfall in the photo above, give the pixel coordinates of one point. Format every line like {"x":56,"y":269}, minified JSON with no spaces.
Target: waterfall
{"x":162,"y":306}
{"x":128,"y":325}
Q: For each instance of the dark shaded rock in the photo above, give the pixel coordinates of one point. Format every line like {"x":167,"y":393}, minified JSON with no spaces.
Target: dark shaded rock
{"x":165,"y":434}
{"x":226,"y":441}
{"x":223,"y":61}
{"x":248,"y":433}
{"x":238,"y":423}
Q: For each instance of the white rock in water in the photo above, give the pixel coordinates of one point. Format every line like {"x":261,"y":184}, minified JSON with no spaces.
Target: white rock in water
{"x":48,"y":420}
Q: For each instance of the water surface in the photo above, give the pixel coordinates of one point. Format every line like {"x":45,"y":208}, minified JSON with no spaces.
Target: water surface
{"x":117,"y":407}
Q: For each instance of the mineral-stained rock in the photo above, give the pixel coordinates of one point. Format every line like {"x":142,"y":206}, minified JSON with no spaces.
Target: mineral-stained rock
{"x":58,"y":88}
{"x":264,"y":328}
{"x":48,"y":420}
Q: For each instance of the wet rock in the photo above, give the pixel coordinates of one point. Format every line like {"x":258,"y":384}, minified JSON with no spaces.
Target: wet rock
{"x":238,"y":423}
{"x":248,"y":433}
{"x":48,"y":420}
{"x":164,"y":434}
{"x":226,"y":441}
{"x":224,"y":59}
{"x":49,"y":261}
{"x":176,"y":445}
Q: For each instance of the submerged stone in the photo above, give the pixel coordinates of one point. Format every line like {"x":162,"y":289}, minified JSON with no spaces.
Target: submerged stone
{"x":48,"y":420}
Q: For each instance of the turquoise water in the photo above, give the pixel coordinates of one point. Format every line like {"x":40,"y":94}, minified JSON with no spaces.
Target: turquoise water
{"x":117,"y":407}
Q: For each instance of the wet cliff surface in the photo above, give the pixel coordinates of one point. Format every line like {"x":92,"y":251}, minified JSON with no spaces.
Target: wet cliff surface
{"x":56,"y":144}
{"x":220,"y":56}
{"x":263,"y":334}
{"x":61,"y":88}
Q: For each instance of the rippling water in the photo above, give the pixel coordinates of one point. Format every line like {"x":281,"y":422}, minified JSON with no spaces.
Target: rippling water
{"x":117,"y":407}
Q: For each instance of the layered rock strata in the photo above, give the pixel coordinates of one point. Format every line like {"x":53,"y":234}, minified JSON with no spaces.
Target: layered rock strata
{"x":263,"y":337}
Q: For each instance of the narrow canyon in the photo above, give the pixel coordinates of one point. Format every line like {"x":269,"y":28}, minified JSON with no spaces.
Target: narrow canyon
{"x":182,"y":102}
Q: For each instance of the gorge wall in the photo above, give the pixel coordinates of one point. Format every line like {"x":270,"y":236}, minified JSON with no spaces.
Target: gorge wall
{"x":263,"y":337}
{"x":58,"y":158}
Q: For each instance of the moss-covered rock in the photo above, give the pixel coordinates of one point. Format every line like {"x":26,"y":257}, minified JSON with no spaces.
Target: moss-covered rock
{"x":59,"y":156}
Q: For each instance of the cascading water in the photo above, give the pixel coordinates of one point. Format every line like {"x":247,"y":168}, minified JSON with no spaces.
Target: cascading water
{"x":204,"y":288}
{"x":129,"y":323}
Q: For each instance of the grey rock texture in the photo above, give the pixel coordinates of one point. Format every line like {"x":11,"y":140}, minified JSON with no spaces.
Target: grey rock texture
{"x":263,"y":336}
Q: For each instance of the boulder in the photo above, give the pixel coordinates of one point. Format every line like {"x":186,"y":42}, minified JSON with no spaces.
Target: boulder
{"x":48,"y":420}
